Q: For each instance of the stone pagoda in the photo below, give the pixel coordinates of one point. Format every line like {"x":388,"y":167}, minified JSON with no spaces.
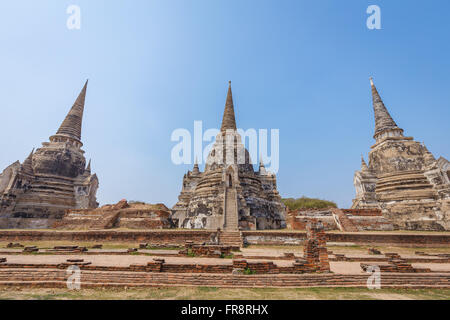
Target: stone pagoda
{"x":403,"y":178}
{"x":229,"y":194}
{"x":54,"y":178}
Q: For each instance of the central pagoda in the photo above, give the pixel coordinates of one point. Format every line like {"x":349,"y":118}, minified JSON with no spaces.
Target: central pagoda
{"x":229,"y":194}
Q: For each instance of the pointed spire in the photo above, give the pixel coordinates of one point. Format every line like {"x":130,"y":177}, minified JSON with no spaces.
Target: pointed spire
{"x":262,"y":168}
{"x":363,"y":164}
{"x":88,"y":168}
{"x":71,"y":125}
{"x":261,"y":163}
{"x":27,"y":165}
{"x":383,"y":120}
{"x":196,"y":168}
{"x":229,"y":120}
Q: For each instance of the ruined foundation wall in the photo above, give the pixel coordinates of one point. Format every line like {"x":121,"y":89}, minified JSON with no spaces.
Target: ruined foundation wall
{"x":200,"y":236}
{"x":360,"y":219}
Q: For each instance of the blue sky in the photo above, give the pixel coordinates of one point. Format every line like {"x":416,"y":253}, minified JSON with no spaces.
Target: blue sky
{"x":301,"y":67}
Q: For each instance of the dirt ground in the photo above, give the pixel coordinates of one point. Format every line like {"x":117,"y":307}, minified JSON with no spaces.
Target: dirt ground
{"x":201,"y":293}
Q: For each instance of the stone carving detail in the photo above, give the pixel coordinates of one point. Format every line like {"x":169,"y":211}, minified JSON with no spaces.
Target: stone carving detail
{"x":403,"y":178}
{"x":51,"y":180}
{"x":229,"y":194}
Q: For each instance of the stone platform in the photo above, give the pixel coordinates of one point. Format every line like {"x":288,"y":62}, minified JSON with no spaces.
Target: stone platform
{"x":57,"y":278}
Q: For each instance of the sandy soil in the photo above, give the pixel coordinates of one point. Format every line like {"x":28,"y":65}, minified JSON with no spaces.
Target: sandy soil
{"x":109,"y":260}
{"x":433,"y":266}
{"x":191,"y":293}
{"x":343,"y":267}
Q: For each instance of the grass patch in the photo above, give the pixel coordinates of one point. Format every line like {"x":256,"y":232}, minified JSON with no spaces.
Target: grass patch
{"x":207,"y":289}
{"x":214,"y":293}
{"x":190,"y":253}
{"x":165,"y":248}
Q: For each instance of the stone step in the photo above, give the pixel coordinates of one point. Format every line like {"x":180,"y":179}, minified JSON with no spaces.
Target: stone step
{"x":54,"y":277}
{"x":345,"y":223}
{"x":231,"y":214}
{"x":231,"y":238}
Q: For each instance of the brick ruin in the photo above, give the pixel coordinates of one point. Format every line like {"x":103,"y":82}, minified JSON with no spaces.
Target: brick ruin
{"x":167,"y":237}
{"x":36,"y":193}
{"x":235,"y":269}
{"x":403,"y":178}
{"x":395,"y":263}
{"x":207,"y":250}
{"x":347,"y":220}
{"x":148,"y":216}
{"x":57,"y":278}
{"x":315,"y":252}
{"x":120,"y":215}
{"x":229,"y":194}
{"x":315,"y":257}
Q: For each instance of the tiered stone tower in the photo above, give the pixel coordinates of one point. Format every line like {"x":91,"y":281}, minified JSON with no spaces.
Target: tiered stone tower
{"x":403,"y":178}
{"x":55,"y":178}
{"x":229,"y":194}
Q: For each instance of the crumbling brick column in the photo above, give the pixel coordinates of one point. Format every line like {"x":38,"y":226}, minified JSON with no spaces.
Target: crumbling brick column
{"x":315,"y":250}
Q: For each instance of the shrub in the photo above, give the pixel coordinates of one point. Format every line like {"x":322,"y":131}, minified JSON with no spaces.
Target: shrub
{"x":307,"y":203}
{"x":190,"y":253}
{"x":249,"y":271}
{"x":136,"y":202}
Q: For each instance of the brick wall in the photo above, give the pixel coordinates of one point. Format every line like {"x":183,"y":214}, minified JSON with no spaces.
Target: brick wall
{"x":297,"y":219}
{"x":200,"y":236}
{"x":419,"y":240}
{"x":259,"y":267}
{"x":362,"y":219}
{"x":363,"y":212}
{"x":51,"y":278}
{"x":153,"y":236}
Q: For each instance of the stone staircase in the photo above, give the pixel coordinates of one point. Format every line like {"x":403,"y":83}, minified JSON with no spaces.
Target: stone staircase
{"x":105,"y":221}
{"x":231,"y":211}
{"x":343,"y":222}
{"x":231,"y":238}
